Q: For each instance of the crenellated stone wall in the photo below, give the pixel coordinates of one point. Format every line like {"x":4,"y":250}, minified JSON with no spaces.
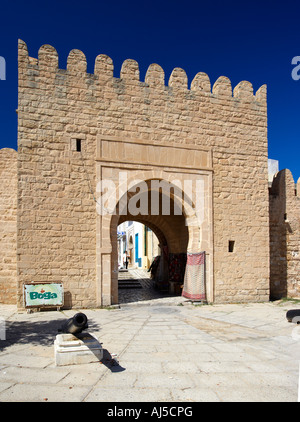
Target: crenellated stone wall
{"x":57,"y":219}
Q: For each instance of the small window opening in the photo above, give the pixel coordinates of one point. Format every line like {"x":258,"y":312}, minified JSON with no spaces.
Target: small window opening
{"x":230,"y":245}
{"x":285,"y":216}
{"x":78,"y":145}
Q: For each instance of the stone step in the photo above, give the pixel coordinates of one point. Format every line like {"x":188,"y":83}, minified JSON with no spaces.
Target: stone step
{"x":129,"y":284}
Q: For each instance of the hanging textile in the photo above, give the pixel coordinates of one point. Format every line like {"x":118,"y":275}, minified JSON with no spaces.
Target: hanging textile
{"x":194,"y":278}
{"x":176,"y":267}
{"x":165,"y":253}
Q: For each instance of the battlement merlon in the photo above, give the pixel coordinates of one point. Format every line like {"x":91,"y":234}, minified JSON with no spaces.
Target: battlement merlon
{"x":47,"y":62}
{"x":284,"y":185}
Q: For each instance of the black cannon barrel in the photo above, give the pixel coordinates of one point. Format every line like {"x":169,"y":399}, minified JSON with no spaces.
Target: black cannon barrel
{"x":293,"y":313}
{"x":76,"y":324}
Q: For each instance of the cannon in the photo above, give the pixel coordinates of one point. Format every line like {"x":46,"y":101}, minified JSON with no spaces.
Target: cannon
{"x":75,"y":325}
{"x":293,"y":313}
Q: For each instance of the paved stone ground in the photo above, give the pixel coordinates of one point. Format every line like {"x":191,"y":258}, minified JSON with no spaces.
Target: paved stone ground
{"x":168,"y":350}
{"x":147,"y":292}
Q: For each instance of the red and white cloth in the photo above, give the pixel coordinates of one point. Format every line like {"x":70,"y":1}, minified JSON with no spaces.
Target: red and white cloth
{"x":194,"y":278}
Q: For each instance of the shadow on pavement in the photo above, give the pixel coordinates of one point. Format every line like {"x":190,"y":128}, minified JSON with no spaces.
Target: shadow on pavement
{"x":40,"y":333}
{"x":111,"y":362}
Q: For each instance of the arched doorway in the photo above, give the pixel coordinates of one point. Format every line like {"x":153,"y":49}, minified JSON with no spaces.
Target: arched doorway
{"x":170,"y":213}
{"x":165,"y":217}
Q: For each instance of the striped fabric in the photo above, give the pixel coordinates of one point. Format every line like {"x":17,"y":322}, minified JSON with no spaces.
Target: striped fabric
{"x":194,"y":278}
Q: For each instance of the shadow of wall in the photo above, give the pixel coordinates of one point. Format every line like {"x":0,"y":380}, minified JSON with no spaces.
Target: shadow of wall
{"x":284,"y":212}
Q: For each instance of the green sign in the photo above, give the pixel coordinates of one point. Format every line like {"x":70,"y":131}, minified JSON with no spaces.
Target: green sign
{"x":48,"y":294}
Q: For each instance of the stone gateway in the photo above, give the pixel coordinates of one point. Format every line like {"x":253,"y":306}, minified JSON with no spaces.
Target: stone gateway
{"x":77,"y":129}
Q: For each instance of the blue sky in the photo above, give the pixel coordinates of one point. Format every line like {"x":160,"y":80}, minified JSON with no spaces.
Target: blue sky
{"x":249,"y":40}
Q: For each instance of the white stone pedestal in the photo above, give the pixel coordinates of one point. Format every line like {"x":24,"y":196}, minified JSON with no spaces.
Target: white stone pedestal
{"x":72,"y":349}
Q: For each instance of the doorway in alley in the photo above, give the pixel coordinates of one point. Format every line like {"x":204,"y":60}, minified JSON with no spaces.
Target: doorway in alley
{"x":141,"y":266}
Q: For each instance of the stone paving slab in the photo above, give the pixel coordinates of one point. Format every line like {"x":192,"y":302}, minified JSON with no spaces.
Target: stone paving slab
{"x":37,"y":392}
{"x":119,"y":394}
{"x":167,"y":351}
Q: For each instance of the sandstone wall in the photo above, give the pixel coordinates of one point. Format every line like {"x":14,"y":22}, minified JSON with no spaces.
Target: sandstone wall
{"x":57,"y":230}
{"x":284,"y":236}
{"x":8,"y":226}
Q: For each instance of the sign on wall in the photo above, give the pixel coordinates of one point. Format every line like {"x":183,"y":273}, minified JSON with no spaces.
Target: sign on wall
{"x":43,"y":294}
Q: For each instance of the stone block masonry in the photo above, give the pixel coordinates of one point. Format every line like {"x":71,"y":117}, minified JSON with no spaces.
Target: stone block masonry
{"x":8,"y":226}
{"x":284,"y":236}
{"x":63,"y":115}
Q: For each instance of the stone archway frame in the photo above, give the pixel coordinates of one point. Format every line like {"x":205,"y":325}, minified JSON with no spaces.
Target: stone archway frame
{"x":200,"y":235}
